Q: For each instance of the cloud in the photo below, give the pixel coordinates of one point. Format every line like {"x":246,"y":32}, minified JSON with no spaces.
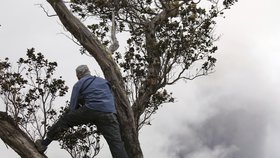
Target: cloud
{"x":226,"y":133}
{"x":233,"y":108}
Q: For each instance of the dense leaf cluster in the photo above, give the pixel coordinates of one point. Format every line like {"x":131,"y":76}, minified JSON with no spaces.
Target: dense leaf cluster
{"x":29,"y":90}
{"x":81,"y":141}
{"x":166,"y":41}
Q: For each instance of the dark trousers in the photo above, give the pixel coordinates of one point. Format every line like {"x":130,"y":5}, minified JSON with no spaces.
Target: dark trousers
{"x":106,"y":123}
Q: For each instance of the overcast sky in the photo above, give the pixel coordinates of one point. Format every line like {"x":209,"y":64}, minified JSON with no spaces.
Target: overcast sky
{"x":232,"y":113}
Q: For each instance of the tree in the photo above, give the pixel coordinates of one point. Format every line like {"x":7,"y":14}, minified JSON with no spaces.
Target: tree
{"x":168,"y":41}
{"x":29,"y":92}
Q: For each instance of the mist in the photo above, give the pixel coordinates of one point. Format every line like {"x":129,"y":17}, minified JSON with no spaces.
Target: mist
{"x":232,"y":113}
{"x":227,"y":132}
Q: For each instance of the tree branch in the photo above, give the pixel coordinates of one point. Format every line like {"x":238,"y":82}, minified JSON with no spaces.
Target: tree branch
{"x":16,"y":138}
{"x":115,"y":43}
{"x":47,"y":12}
{"x":111,"y":72}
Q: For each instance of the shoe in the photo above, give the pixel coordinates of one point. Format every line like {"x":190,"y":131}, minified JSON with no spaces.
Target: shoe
{"x":40,"y":146}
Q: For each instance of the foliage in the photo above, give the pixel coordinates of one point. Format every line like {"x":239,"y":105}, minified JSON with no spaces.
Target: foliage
{"x":164,"y":41}
{"x":80,"y":141}
{"x":29,"y":92}
{"x":167,"y":41}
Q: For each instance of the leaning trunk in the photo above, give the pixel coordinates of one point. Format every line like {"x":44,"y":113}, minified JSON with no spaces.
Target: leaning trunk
{"x":111,"y":72}
{"x":16,"y":138}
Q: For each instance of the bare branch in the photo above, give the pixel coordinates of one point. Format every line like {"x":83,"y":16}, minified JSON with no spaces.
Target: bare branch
{"x":115,"y":42}
{"x":71,"y":38}
{"x":46,"y":11}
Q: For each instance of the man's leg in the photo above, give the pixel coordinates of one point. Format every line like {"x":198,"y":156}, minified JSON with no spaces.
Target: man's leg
{"x":109,"y":127}
{"x":70,"y":119}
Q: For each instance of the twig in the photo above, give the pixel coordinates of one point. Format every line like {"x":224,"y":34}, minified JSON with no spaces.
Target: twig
{"x":47,"y":12}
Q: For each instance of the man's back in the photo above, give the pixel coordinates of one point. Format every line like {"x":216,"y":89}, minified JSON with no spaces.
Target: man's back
{"x":97,"y":94}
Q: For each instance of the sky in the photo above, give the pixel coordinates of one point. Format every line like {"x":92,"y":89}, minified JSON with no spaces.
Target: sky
{"x":232,"y":113}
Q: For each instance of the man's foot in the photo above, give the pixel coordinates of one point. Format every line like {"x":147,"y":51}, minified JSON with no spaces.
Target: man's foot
{"x":40,"y":146}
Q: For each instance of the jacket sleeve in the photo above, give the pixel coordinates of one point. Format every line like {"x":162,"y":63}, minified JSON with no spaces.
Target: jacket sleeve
{"x":74,"y":97}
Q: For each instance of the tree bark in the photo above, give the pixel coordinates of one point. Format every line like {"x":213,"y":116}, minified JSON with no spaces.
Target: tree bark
{"x":17,"y":139}
{"x":111,"y":73}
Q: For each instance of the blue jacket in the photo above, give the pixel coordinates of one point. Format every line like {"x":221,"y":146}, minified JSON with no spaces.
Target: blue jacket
{"x":95,"y":93}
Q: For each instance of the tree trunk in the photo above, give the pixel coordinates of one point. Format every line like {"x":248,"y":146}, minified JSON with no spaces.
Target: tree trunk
{"x":111,"y":73}
{"x":17,"y":139}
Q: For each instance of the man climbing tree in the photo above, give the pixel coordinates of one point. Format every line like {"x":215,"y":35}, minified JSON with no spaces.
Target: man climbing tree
{"x":167,"y":41}
{"x":92,"y":102}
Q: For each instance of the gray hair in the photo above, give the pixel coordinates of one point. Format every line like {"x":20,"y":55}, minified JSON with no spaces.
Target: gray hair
{"x":82,"y":71}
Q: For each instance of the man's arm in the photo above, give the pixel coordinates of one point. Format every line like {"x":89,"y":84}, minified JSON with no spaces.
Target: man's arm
{"x":74,"y":97}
